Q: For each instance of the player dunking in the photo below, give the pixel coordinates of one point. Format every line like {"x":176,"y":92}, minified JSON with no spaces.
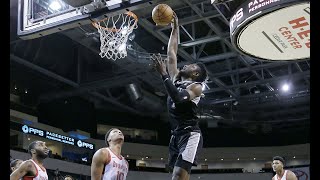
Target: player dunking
{"x":107,"y":163}
{"x":33,"y":168}
{"x":185,"y":90}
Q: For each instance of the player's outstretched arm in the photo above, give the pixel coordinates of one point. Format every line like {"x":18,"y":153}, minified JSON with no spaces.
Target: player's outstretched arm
{"x":98,"y":161}
{"x":172,"y":49}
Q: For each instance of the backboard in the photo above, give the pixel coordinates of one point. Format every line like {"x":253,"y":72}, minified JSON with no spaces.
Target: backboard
{"x":37,"y":18}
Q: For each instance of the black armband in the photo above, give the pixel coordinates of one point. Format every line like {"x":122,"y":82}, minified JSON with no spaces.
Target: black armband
{"x":165,"y":77}
{"x":173,"y":92}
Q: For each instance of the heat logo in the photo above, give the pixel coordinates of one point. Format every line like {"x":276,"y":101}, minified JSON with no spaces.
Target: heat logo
{"x":301,"y":24}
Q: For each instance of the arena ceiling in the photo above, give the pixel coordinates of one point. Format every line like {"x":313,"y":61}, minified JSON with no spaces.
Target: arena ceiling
{"x":245,"y":93}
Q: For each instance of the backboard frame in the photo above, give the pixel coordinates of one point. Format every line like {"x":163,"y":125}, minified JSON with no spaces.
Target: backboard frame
{"x":29,"y":28}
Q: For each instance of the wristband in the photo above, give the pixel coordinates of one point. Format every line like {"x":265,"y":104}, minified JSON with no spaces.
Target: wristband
{"x":165,"y":77}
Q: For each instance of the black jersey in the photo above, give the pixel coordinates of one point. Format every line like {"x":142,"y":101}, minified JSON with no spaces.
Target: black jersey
{"x":183,"y":115}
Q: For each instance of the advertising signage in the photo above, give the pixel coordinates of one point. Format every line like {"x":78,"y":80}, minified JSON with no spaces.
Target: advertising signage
{"x":277,"y":30}
{"x":27,"y":129}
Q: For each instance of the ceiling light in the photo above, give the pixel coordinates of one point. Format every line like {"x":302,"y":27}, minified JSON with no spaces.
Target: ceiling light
{"x":26,"y":91}
{"x":127,"y":156}
{"x":294,"y":157}
{"x":238,"y":159}
{"x":15,"y":87}
{"x":254,"y":158}
{"x":285,"y":87}
{"x":147,"y":157}
{"x":55,"y":5}
{"x":205,"y":159}
{"x":161,"y":158}
{"x":142,"y":159}
{"x":221,"y":159}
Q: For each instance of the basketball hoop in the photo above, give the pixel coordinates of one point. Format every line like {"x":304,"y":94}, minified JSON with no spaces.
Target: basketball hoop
{"x":114,"y":32}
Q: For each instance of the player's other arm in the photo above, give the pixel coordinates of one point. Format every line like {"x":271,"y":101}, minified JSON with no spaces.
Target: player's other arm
{"x":177,"y":96}
{"x":173,"y":48}
{"x":291,"y":176}
{"x":26,"y":168}
{"x":98,"y":161}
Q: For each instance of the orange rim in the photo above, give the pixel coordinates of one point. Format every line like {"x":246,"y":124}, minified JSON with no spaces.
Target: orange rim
{"x":96,"y":25}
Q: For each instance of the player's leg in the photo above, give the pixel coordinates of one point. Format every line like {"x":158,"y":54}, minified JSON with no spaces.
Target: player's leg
{"x":173,"y":153}
{"x":188,"y":177}
{"x":179,"y":173}
{"x":189,"y":145}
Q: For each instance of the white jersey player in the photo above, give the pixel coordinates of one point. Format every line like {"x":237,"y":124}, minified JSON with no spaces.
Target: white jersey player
{"x":281,"y":174}
{"x":33,"y":168}
{"x":108,"y":163}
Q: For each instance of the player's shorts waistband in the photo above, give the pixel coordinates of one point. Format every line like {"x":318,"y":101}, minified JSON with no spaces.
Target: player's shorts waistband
{"x":186,"y":129}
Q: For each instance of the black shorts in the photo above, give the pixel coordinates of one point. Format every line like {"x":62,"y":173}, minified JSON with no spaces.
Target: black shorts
{"x":183,"y":150}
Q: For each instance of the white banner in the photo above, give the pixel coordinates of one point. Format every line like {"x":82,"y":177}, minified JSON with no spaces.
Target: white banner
{"x":281,"y":35}
{"x":302,"y":173}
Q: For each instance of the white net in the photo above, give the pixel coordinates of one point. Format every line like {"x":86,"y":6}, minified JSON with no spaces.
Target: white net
{"x":114,"y":32}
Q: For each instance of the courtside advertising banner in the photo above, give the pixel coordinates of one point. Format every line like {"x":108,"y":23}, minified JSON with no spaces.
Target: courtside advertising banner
{"x":54,"y":136}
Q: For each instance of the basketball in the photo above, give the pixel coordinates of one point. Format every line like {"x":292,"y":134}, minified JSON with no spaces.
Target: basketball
{"x":162,"y":14}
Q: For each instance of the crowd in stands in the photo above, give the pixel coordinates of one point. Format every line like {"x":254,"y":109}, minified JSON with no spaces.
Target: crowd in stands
{"x":57,"y":156}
